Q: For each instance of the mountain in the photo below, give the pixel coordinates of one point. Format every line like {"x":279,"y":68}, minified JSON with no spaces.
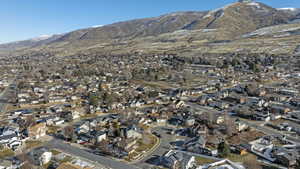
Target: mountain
{"x":30,"y":43}
{"x":136,"y":28}
{"x":238,"y":18}
{"x":233,"y":20}
{"x":179,"y":31}
{"x":294,"y":12}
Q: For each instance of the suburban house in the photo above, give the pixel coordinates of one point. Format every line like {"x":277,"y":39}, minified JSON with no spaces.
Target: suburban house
{"x":174,"y":158}
{"x":40,"y":156}
{"x":222,"y":165}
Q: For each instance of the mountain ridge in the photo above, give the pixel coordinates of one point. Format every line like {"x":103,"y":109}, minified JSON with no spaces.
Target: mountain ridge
{"x":228,"y":23}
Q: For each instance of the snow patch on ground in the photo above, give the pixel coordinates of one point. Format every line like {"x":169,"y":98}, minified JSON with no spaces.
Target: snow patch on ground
{"x":271,"y":30}
{"x":211,"y":13}
{"x":209,"y":30}
{"x":207,"y":16}
{"x":257,"y":5}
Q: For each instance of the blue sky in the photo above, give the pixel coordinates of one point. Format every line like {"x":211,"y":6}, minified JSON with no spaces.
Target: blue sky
{"x":23,"y":19}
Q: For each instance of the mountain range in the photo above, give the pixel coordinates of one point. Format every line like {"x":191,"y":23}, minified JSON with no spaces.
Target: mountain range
{"x":232,"y":28}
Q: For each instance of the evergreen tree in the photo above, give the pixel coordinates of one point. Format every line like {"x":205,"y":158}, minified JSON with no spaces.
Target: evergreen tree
{"x":223,"y":149}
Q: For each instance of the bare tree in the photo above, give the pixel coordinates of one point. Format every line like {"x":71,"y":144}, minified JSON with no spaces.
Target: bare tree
{"x":27,"y":162}
{"x":250,"y":163}
{"x":230,"y":128}
{"x":69,"y":132}
{"x":29,"y":121}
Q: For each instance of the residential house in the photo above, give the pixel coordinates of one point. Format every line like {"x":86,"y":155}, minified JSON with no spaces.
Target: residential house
{"x":131,"y":132}
{"x":285,"y":157}
{"x":222,"y":165}
{"x":199,"y":141}
{"x":40,"y":156}
{"x":263,"y":148}
{"x":100,"y":136}
{"x":240,"y":126}
{"x":174,"y":158}
{"x":278,"y":109}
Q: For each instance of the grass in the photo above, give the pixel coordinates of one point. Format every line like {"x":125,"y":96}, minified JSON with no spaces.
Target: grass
{"x":241,"y":158}
{"x":52,"y":129}
{"x":55,"y":152}
{"x":201,"y":160}
{"x":145,"y":147}
{"x":46,"y":165}
{"x":33,"y":143}
{"x":6,"y":153}
{"x":66,"y":159}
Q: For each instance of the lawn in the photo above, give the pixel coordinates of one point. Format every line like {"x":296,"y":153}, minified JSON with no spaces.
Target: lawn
{"x":202,"y":161}
{"x":33,"y":143}
{"x":6,"y":153}
{"x":55,"y":152}
{"x":145,"y":147}
{"x":241,"y":158}
{"x":52,"y":129}
{"x":66,"y":159}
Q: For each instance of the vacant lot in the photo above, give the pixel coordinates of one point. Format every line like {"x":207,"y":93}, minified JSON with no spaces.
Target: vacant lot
{"x":245,"y":137}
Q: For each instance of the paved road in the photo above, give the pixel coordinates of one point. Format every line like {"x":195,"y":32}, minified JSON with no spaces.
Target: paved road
{"x":270,"y":131}
{"x":163,"y":147}
{"x":66,"y":148}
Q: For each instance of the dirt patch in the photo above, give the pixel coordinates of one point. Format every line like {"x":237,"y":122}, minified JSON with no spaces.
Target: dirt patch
{"x":245,"y":137}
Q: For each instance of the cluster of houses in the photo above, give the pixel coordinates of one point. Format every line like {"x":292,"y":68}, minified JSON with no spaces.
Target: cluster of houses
{"x":110,"y":134}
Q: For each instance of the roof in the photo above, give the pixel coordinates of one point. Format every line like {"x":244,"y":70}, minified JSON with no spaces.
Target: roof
{"x":221,"y":165}
{"x":173,"y":156}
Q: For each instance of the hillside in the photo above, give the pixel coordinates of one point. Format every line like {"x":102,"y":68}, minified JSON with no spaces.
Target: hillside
{"x":180,"y":32}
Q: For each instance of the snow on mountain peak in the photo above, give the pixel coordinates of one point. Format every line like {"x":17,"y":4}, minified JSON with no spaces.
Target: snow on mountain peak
{"x":257,"y":5}
{"x":287,"y":9}
{"x":97,"y":26}
{"x":42,"y":37}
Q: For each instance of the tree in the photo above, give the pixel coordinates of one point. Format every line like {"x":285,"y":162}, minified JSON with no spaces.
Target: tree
{"x":69,"y":132}
{"x":93,"y":99}
{"x":1,"y":147}
{"x":298,"y":164}
{"x":230,"y":128}
{"x":100,"y":87}
{"x":27,"y":165}
{"x":29,"y":121}
{"x":223,"y":149}
{"x":27,"y":162}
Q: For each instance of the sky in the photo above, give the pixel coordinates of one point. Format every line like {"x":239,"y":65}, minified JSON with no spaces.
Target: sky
{"x":24,"y":19}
